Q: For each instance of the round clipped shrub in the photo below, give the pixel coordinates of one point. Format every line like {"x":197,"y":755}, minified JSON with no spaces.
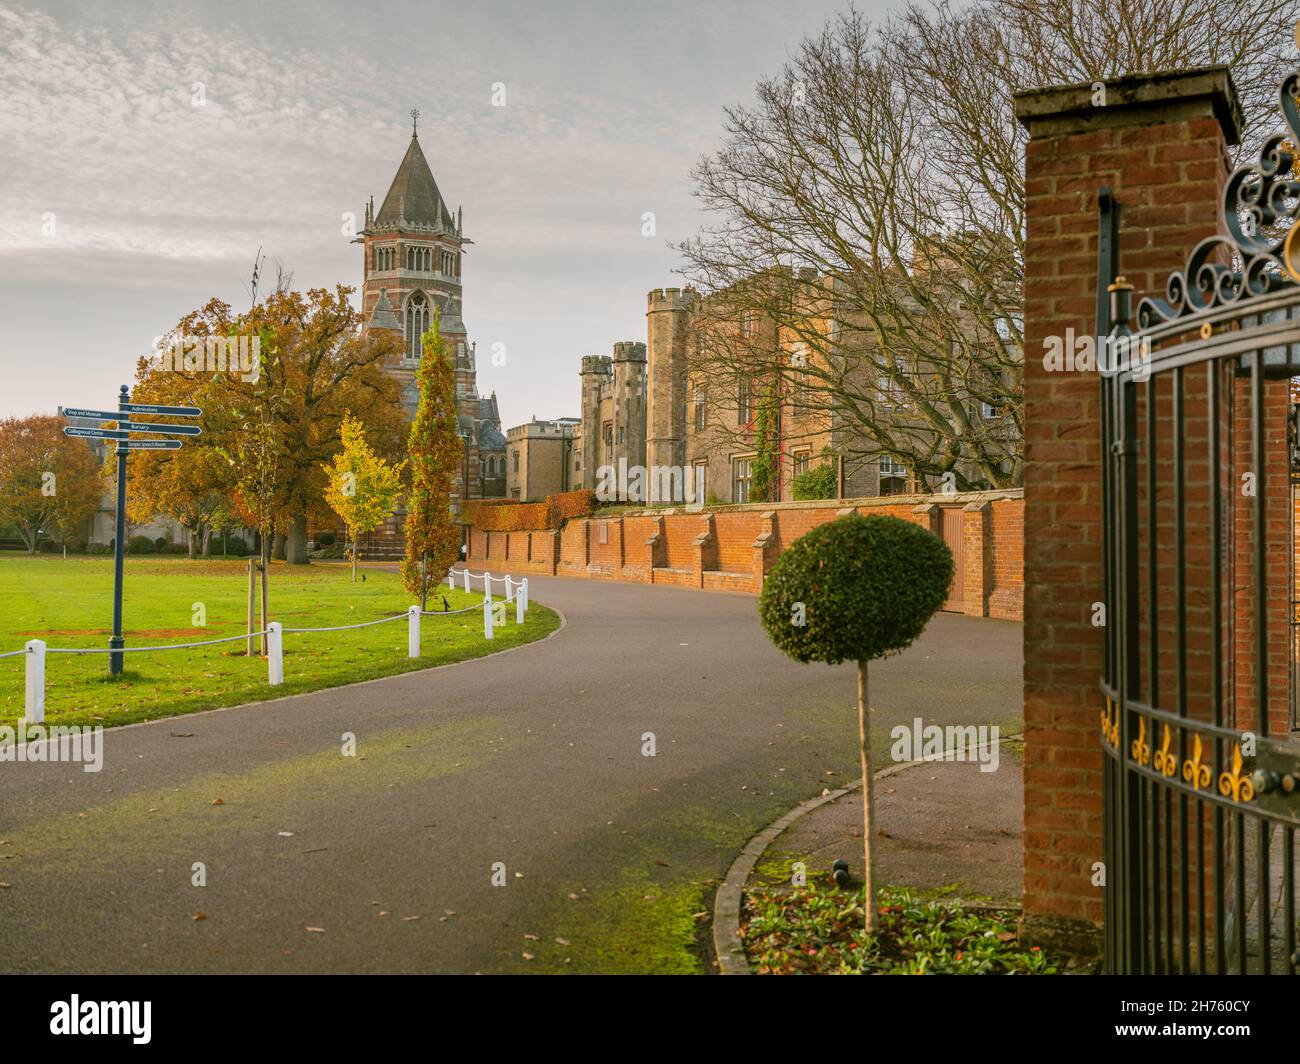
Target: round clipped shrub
{"x":855,"y":589}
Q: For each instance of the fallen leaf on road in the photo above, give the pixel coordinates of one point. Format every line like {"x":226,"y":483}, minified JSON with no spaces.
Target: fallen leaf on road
{"x":285,"y":834}
{"x":199,"y":916}
{"x":218,"y":801}
{"x":4,"y":886}
{"x":408,"y":919}
{"x":531,"y":938}
{"x":384,"y":913}
{"x":181,"y":734}
{"x":317,"y":930}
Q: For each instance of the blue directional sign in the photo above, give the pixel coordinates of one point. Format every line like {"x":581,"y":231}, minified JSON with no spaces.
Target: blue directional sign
{"x":147,"y":408}
{"x":125,"y":427}
{"x":96,"y":434}
{"x":167,"y":430}
{"x":151,"y":445}
{"x":101,"y":415}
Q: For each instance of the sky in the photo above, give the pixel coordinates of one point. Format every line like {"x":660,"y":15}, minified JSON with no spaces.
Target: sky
{"x":147,"y":150}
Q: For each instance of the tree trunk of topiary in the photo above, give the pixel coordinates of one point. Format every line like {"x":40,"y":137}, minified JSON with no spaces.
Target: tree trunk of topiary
{"x":864,"y":749}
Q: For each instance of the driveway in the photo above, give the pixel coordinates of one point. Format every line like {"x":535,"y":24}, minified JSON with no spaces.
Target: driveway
{"x":499,"y":815}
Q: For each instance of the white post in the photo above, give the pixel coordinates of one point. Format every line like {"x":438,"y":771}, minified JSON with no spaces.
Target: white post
{"x":508,"y":592}
{"x":274,"y":654}
{"x":487,"y":617}
{"x":35,"y":701}
{"x":487,"y":583}
{"x":519,"y":604}
{"x":466,"y":572}
{"x":451,"y":579}
{"x":413,"y":632}
{"x":524,"y":588}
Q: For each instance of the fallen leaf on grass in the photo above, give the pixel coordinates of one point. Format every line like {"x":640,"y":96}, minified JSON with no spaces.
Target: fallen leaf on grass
{"x":562,"y":941}
{"x":218,"y":801}
{"x":527,"y":956}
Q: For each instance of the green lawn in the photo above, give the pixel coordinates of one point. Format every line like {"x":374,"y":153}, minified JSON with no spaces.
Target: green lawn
{"x":70,"y":604}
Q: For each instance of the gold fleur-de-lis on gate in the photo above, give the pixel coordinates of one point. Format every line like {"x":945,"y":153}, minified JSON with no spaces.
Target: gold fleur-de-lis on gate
{"x":1194,"y":772}
{"x":1140,"y":750}
{"x":1233,"y":784}
{"x":1110,"y":723}
{"x":1165,"y":763}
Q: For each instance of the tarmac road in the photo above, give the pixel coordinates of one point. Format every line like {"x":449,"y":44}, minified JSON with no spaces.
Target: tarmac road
{"x":501,"y":798}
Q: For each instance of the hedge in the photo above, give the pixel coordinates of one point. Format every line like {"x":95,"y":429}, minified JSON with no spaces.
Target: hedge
{"x":491,"y":515}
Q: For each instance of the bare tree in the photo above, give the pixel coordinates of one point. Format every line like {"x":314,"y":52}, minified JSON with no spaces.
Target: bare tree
{"x":869,"y":205}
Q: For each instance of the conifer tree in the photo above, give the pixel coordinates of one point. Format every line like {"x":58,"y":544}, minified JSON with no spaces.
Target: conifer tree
{"x":434,"y":451}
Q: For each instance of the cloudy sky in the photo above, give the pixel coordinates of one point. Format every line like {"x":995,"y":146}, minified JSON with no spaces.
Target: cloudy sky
{"x":124,"y":205}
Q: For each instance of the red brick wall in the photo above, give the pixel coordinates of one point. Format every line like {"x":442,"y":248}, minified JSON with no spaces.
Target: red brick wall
{"x":680,"y":531}
{"x":731,"y":560}
{"x":736,"y":533}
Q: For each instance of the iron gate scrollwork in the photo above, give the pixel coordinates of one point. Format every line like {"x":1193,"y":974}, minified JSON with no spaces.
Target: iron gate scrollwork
{"x":1201,"y":777}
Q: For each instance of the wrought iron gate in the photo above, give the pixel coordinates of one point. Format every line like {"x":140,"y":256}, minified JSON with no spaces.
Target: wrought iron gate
{"x":1201,"y":776}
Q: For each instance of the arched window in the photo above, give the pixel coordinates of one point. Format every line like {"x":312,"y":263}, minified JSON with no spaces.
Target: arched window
{"x":417,"y":324}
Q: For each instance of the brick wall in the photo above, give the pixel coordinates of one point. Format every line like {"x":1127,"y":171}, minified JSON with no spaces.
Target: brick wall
{"x":733,"y":548}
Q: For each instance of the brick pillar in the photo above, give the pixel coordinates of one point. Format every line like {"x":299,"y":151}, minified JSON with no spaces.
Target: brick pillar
{"x":1160,"y":144}
{"x":977,"y":557}
{"x":764,"y":551}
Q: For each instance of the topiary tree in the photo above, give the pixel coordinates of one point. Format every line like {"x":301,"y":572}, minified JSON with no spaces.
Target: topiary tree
{"x":855,"y":589}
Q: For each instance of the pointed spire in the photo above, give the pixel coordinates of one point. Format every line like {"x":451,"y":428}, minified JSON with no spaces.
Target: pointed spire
{"x":413,"y":196}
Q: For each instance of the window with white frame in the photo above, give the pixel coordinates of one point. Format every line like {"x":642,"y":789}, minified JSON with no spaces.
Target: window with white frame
{"x":742,"y":478}
{"x":893,"y":476}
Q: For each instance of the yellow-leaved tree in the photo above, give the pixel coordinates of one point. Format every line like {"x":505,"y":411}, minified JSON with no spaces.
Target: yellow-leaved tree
{"x":361,"y":487}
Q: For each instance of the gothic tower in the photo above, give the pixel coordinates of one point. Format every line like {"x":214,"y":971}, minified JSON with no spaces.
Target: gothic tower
{"x":667,"y":310}
{"x":413,"y":247}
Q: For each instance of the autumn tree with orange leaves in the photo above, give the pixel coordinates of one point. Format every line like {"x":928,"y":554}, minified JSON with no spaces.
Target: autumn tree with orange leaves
{"x":49,"y":482}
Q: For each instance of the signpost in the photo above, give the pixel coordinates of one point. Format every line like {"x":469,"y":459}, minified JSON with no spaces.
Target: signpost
{"x":126,"y":443}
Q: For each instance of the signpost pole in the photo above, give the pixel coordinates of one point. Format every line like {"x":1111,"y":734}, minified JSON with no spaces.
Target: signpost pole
{"x":116,"y":642}
{"x":125,"y":444}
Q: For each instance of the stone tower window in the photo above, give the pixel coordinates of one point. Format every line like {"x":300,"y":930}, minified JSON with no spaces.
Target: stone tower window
{"x":417,"y":324}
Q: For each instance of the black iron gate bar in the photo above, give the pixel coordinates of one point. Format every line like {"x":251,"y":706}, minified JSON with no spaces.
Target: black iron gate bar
{"x":1246,"y":326}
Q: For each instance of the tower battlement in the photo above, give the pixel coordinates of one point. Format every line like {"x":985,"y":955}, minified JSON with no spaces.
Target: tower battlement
{"x":597,"y":364}
{"x":669,"y":298}
{"x":629,"y":351}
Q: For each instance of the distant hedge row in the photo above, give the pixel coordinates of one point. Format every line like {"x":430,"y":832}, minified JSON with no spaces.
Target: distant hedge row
{"x":491,"y":515}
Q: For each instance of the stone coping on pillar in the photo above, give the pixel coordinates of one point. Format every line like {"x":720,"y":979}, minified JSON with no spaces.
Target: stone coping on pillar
{"x":1194,"y":92}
